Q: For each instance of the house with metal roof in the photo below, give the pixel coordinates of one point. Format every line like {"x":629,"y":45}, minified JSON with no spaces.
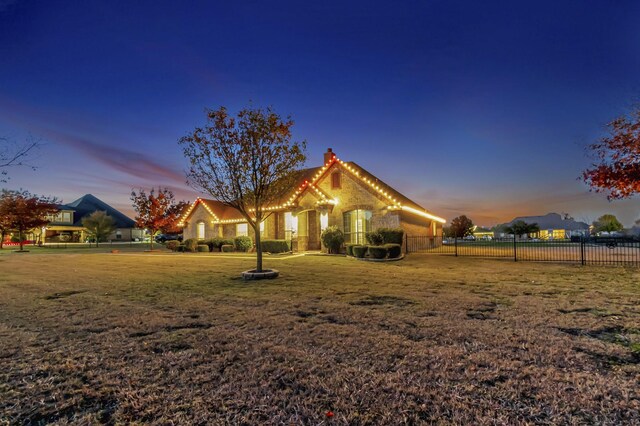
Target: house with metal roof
{"x":338,"y":193}
{"x":554,"y":226}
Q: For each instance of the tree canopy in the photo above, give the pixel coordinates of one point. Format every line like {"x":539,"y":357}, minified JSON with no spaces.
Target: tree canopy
{"x":520,"y":228}
{"x":156,"y":212}
{"x":617,"y":169}
{"x":607,"y":223}
{"x":246,"y":162}
{"x":461,"y":227}
{"x":22,"y":211}
{"x":99,"y":225}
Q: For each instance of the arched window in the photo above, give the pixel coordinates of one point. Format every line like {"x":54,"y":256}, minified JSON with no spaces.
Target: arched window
{"x":200,"y":231}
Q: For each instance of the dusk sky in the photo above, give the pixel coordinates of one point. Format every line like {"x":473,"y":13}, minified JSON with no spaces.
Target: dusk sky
{"x":476,"y":108}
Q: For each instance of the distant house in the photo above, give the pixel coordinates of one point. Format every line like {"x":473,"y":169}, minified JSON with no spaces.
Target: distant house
{"x":338,"y":193}
{"x":66,"y":225}
{"x":553,"y":226}
{"x":481,"y":233}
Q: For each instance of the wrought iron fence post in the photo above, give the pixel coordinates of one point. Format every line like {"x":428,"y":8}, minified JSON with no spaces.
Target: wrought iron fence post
{"x":455,"y":244}
{"x":582,"y":259}
{"x":515,"y":249}
{"x":406,"y":244}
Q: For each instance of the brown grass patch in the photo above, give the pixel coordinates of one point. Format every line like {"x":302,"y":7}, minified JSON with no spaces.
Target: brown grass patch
{"x":98,"y":338}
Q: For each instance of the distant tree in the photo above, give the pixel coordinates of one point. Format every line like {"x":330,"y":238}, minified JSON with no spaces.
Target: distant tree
{"x":617,"y":170}
{"x":566,"y":216}
{"x":156,"y":212}
{"x":99,"y":225}
{"x":461,"y":226}
{"x":607,"y":223}
{"x":5,"y":221}
{"x":14,"y":154}
{"x":246,"y":162}
{"x":520,"y":228}
{"x":23,"y":211}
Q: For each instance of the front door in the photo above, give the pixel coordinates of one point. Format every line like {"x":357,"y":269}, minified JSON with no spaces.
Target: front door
{"x":313,"y":226}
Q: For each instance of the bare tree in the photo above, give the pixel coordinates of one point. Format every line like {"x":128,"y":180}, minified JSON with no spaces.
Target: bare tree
{"x":247,"y":162}
{"x":14,"y":154}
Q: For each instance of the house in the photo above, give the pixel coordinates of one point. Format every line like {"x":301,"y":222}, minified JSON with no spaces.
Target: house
{"x":66,"y":225}
{"x":338,"y":193}
{"x":553,"y":226}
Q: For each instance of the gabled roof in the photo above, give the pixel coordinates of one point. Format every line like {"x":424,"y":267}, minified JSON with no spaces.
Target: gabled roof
{"x":308,"y":179}
{"x":88,"y":204}
{"x":552,"y":221}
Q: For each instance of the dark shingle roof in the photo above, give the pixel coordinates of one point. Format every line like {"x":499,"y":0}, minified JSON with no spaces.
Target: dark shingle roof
{"x":88,"y":204}
{"x":552,"y":221}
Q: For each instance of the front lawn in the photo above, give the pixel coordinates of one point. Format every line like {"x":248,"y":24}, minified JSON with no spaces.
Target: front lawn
{"x":129,"y":337}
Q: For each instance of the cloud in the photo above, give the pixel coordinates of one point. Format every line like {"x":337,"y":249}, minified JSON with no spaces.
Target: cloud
{"x":121,"y":159}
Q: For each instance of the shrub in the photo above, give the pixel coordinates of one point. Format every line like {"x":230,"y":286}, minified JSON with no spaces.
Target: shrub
{"x":180,"y":248}
{"x":243,"y":243}
{"x":214,"y":244}
{"x":359,"y":251}
{"x":190,"y":245}
{"x":275,"y":246}
{"x":332,"y":238}
{"x":395,"y":250}
{"x":226,"y":248}
{"x":378,"y":252}
{"x":391,"y":235}
{"x":350,"y":249}
{"x":203,"y":248}
{"x":172,"y":245}
{"x":374,"y":238}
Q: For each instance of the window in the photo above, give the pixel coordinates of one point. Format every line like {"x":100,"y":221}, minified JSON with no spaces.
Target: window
{"x":356,"y":224}
{"x":200,"y":233}
{"x":242,"y":229}
{"x":335,"y":180}
{"x":324,"y":221}
{"x":262,"y":228}
{"x":290,"y":225}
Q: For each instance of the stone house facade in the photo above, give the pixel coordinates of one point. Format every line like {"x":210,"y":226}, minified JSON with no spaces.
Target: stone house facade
{"x":339,"y":193}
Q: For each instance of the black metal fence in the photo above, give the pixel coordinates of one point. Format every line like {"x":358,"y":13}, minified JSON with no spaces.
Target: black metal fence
{"x":585,"y":251}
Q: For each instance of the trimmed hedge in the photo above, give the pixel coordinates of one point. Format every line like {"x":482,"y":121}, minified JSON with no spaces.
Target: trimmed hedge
{"x":215,"y":244}
{"x":332,"y":238}
{"x":374,"y":238}
{"x":378,"y":252}
{"x":203,"y":248}
{"x":243,"y":243}
{"x":190,"y":244}
{"x":359,"y":251}
{"x":395,"y":250}
{"x":391,"y":235}
{"x":349,"y":248}
{"x":275,"y":246}
{"x":226,"y":248}
{"x":172,"y":245}
{"x":180,"y":248}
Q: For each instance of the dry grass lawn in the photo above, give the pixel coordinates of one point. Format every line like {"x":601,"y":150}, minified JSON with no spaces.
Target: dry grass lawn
{"x":119,"y":338}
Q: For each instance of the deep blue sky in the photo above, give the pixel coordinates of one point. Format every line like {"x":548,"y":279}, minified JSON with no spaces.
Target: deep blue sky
{"x":477,"y":108}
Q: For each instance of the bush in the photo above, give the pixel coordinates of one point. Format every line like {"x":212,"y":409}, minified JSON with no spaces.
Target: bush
{"x":172,"y":245}
{"x":226,"y":248}
{"x":203,"y":248}
{"x":374,"y":238}
{"x":190,"y":245}
{"x":391,"y":235}
{"x":243,"y":243}
{"x":378,"y":252}
{"x":275,"y":246}
{"x":395,"y":250}
{"x":180,"y":248}
{"x":359,"y":251}
{"x":350,"y":249}
{"x":332,"y":238}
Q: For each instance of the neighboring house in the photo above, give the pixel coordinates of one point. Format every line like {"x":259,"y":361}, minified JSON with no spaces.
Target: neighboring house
{"x":480,"y":233}
{"x":339,"y":194}
{"x":554,"y":227}
{"x":66,"y":225}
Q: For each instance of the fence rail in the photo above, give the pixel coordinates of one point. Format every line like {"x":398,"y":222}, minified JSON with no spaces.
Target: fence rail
{"x":585,"y":251}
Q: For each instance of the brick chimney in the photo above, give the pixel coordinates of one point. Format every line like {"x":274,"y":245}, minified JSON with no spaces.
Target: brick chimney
{"x":328,"y":155}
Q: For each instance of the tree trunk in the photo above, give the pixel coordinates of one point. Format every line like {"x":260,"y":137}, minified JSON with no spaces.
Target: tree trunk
{"x":20,"y":236}
{"x":258,"y":249}
{"x":1,"y":240}
{"x":152,"y":232}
